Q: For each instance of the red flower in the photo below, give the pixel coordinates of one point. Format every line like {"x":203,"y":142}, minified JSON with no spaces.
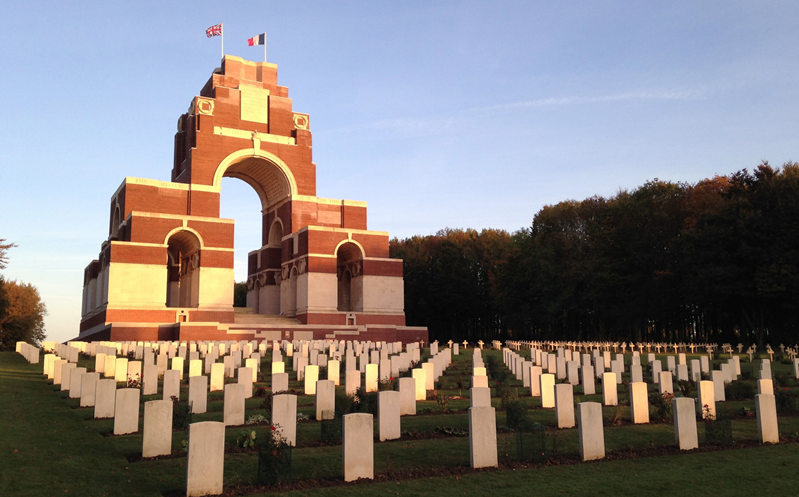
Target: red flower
{"x":273,"y":428}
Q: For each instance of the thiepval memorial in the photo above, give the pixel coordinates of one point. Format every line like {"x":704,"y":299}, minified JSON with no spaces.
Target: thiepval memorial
{"x":165,"y":271}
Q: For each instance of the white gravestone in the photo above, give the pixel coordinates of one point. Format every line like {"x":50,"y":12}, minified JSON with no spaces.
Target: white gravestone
{"x":482,"y":437}
{"x":126,"y":411}
{"x":198,"y":394}
{"x":205,"y":465}
{"x":157,"y":436}
{"x":357,"y":434}
{"x":564,"y":405}
{"x":590,"y":431}
{"x":234,"y":404}
{"x":388,"y":415}
{"x":685,"y":432}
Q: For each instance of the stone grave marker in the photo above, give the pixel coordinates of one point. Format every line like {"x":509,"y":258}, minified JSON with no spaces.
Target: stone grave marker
{"x":234,"y":404}
{"x":358,"y":446}
{"x":198,"y":394}
{"x":590,"y":430}
{"x":205,"y":464}
{"x":483,"y":437}
{"x":126,"y":411}
{"x":157,"y":436}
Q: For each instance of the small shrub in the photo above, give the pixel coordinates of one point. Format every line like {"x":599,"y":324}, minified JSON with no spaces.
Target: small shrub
{"x":452,"y":432}
{"x":505,"y":393}
{"x":261,"y":392}
{"x":274,"y":459}
{"x":330,"y":430}
{"x":390,"y":384}
{"x":739,"y":390}
{"x":181,"y":414}
{"x":517,"y":415}
{"x":785,"y":400}
{"x":134,"y":382}
{"x":663,"y":406}
{"x":366,"y":401}
{"x":615,"y":419}
{"x":685,"y":387}
{"x":443,"y":402}
{"x":461,"y":382}
{"x":718,"y":429}
{"x":246,"y":439}
{"x":254,"y":419}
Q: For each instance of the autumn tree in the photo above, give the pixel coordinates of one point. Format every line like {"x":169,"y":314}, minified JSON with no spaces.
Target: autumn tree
{"x":3,"y":249}
{"x":716,"y":261}
{"x":24,"y":315}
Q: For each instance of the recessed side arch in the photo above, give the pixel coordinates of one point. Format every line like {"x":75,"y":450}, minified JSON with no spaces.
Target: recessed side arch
{"x":275,"y":237}
{"x":182,"y":228}
{"x":344,"y":242}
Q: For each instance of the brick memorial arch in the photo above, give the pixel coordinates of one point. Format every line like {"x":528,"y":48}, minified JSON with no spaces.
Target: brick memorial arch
{"x":165,"y":271}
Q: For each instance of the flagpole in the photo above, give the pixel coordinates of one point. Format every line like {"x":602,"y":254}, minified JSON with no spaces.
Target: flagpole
{"x":223,"y":41}
{"x":264,"y":46}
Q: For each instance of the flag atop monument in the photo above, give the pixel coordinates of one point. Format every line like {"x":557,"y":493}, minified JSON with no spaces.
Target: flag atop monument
{"x":257,"y":40}
{"x":215,"y":30}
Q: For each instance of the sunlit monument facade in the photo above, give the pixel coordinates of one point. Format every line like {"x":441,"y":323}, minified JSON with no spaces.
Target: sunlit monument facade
{"x":165,"y":271}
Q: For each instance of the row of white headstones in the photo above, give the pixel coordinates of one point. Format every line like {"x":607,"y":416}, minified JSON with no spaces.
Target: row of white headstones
{"x":375,"y":361}
{"x":584,"y":370}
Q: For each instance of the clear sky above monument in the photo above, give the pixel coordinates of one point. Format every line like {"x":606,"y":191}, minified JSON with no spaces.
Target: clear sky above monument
{"x":443,"y":114}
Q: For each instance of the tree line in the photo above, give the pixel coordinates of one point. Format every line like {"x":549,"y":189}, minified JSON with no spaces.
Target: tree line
{"x":716,"y":261}
{"x":21,"y":309}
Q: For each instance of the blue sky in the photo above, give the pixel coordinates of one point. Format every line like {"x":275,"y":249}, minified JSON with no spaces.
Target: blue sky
{"x":438,"y":114}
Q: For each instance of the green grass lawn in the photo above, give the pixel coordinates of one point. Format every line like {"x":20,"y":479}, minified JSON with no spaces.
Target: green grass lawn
{"x":50,"y":446}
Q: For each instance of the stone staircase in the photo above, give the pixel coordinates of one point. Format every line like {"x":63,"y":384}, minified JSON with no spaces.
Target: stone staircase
{"x":245,"y":316}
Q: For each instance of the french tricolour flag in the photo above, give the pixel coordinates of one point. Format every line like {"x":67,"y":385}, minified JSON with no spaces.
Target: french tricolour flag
{"x":257,"y":40}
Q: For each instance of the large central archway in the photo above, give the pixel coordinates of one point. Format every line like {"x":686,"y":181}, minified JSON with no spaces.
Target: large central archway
{"x":272,"y":180}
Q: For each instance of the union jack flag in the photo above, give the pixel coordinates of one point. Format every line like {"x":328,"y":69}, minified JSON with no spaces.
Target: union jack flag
{"x":214,"y":30}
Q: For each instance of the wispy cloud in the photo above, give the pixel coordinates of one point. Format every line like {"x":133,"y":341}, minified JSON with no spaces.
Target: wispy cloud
{"x":579,"y":100}
{"x":407,"y":126}
{"x":424,"y":125}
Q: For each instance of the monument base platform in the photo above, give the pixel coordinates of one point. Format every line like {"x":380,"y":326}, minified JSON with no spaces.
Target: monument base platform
{"x":282,"y":329}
